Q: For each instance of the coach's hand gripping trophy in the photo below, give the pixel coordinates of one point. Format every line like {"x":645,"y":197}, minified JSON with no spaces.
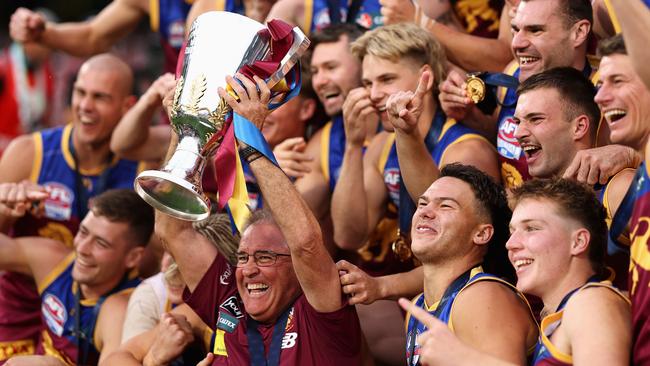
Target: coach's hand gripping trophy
{"x":219,"y":44}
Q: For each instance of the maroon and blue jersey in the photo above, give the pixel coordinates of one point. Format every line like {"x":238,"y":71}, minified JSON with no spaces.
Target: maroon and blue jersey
{"x":639,"y":276}
{"x":443,"y":309}
{"x":546,"y":353}
{"x":62,"y":307}
{"x":332,"y":149}
{"x":317,"y":14}
{"x":54,"y":169}
{"x":310,"y":337}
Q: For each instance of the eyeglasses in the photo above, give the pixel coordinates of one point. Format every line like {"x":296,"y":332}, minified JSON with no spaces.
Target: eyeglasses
{"x":262,"y":258}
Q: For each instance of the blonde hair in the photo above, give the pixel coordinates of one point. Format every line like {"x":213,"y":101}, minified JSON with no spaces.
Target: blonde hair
{"x":217,"y":229}
{"x":404,"y":40}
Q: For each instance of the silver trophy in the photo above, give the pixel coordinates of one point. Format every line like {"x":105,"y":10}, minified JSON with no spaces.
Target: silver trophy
{"x":219,"y":44}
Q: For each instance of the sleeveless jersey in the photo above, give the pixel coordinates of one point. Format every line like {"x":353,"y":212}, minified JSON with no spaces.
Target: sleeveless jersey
{"x":317,"y":16}
{"x":168,"y":17}
{"x":514,"y":168}
{"x":332,"y":149}
{"x":639,"y":276}
{"x":618,"y":261}
{"x":546,"y":354}
{"x":451,"y":133}
{"x":414,"y":328}
{"x":59,"y":298}
{"x":53,"y":168}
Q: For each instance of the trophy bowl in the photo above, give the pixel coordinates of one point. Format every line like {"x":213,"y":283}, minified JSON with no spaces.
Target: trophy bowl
{"x":219,"y":44}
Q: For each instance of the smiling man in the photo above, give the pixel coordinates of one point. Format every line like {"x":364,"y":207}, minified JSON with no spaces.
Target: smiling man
{"x":284,"y":294}
{"x":61,"y":168}
{"x":459,"y":228}
{"x":83,"y":291}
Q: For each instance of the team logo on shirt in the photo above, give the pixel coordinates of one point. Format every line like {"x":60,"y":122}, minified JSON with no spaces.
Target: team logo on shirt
{"x":232,"y":305}
{"x":507,"y":144}
{"x":176,"y":31}
{"x":55,"y":313}
{"x":225,"y":276}
{"x":392,"y":180}
{"x":58,"y":206}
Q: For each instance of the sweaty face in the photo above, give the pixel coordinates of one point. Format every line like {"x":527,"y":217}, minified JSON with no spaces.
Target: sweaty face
{"x":383,"y":77}
{"x":544,"y":133}
{"x":101,"y":247}
{"x":334,"y":73}
{"x":266,"y":291}
{"x":624,"y":101}
{"x":444,"y":222}
{"x":539,"y":245}
{"x":540,"y":39}
{"x":98,"y":103}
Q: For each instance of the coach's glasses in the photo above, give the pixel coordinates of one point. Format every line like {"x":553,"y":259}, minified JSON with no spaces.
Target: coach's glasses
{"x":262,"y":258}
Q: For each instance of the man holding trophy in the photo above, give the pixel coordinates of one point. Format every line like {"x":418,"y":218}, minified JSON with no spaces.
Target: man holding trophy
{"x":294,"y":312}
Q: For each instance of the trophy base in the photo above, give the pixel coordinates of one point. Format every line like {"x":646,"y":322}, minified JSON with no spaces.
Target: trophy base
{"x":172,"y":195}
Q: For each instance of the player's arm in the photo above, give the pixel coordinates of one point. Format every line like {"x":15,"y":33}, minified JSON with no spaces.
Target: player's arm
{"x":110,"y":321}
{"x":291,"y":11}
{"x":198,"y":7}
{"x":365,"y":289}
{"x":634,"y":18}
{"x":134,"y":138}
{"x":598,"y":318}
{"x":474,"y":53}
{"x":492,"y":319}
{"x":33,"y":256}
{"x":15,"y":166}
{"x":477,"y":152}
{"x":357,"y":202}
{"x":313,"y":186}
{"x":97,"y":35}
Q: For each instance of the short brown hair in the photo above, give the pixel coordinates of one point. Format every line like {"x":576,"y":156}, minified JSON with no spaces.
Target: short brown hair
{"x":576,"y":201}
{"x":124,"y":205}
{"x":612,"y":46}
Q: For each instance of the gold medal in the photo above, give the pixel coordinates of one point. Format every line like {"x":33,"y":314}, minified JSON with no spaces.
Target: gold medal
{"x":401,"y":248}
{"x":475,"y":88}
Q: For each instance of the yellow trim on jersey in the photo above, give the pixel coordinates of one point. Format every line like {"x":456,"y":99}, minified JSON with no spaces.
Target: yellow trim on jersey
{"x":50,"y":350}
{"x":55,"y":272}
{"x":69,"y":159}
{"x":154,"y":15}
{"x":220,"y":343}
{"x":308,"y":16}
{"x":142,"y":166}
{"x":23,"y":347}
{"x":65,"y":145}
{"x":325,"y":150}
{"x":38,"y":157}
{"x":385,"y":151}
{"x":469,"y":136}
{"x":613,"y":16}
{"x":207,"y":336}
{"x":220,"y":5}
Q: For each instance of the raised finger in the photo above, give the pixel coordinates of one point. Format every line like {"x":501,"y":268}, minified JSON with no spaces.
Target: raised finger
{"x":424,"y":317}
{"x":423,"y":85}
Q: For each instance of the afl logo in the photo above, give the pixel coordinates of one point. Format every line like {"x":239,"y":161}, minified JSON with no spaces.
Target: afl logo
{"x":392,"y":180}
{"x":54,"y":313}
{"x":58,"y":206}
{"x":507,"y":144}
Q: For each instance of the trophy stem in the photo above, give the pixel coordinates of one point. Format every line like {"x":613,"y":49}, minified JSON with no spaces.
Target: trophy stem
{"x":176,"y":189}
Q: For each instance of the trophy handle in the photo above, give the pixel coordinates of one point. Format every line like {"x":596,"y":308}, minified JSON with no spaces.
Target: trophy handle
{"x":299,"y":47}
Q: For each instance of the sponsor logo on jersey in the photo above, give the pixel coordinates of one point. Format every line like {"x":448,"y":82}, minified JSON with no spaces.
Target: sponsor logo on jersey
{"x":392,"y":179}
{"x":58,"y":206}
{"x":176,"y":33}
{"x":232,"y":305}
{"x":225,"y":276}
{"x":55,"y":313}
{"x":507,"y":144}
{"x":227,"y":322}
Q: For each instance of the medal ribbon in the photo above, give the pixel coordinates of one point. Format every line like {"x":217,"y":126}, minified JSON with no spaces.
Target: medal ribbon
{"x":256,"y":343}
